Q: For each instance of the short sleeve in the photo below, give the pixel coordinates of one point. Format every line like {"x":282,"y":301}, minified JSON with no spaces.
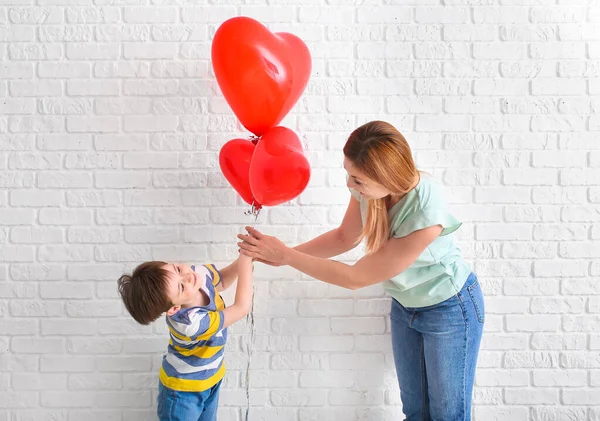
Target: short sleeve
{"x":214,"y":274}
{"x":195,"y":324}
{"x":426,"y":218}
{"x":209,"y":271}
{"x":427,"y":208}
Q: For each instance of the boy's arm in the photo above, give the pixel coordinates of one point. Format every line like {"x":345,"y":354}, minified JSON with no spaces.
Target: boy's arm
{"x":243,"y":293}
{"x":228,"y":276}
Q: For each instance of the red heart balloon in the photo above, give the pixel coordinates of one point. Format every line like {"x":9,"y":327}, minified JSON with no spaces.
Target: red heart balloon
{"x":261,"y":74}
{"x":279,"y":171}
{"x":234,"y":160}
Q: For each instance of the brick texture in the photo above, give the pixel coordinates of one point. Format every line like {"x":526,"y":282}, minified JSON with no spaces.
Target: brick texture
{"x":110,"y":127}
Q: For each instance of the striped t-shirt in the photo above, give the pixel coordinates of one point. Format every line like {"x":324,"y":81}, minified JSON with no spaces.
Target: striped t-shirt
{"x":194,"y":361}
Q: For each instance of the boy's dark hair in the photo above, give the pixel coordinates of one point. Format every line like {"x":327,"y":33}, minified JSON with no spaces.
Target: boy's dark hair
{"x":144,"y":292}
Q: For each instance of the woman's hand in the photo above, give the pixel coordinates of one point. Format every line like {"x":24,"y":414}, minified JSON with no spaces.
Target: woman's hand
{"x":264,"y":248}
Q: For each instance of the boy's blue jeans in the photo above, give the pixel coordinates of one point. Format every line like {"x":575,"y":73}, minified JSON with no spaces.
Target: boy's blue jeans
{"x":435,"y":350}
{"x":174,"y":405}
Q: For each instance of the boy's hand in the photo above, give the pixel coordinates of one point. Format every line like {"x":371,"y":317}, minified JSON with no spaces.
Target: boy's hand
{"x":264,"y":247}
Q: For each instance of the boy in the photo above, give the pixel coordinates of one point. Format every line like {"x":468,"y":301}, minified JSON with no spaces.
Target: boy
{"x":192,"y":369}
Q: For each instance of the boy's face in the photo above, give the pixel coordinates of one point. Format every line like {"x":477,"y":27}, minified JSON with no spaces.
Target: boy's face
{"x":183,"y":287}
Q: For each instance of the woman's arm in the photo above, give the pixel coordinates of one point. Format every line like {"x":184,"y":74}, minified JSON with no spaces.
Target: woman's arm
{"x":338,"y":240}
{"x":330,"y":244}
{"x":393,"y":258}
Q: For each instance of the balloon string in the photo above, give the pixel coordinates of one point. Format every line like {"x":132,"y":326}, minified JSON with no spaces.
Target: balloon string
{"x":250,"y":348}
{"x":254,"y":211}
{"x":250,"y":318}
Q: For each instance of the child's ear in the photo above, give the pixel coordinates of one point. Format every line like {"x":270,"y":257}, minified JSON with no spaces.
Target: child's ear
{"x":173,"y":310}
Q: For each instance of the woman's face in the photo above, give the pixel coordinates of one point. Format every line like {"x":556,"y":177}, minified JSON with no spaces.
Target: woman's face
{"x":357,"y":180}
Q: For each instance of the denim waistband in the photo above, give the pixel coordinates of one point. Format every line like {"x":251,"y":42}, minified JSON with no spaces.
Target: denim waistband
{"x":471,"y":279}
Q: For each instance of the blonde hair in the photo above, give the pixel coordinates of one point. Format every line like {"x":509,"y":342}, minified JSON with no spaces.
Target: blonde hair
{"x":379,"y":151}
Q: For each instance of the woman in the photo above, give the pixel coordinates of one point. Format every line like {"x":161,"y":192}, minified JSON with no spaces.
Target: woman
{"x":437,"y":305}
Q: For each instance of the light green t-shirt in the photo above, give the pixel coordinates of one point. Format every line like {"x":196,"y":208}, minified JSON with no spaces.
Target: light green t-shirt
{"x":440,"y":271}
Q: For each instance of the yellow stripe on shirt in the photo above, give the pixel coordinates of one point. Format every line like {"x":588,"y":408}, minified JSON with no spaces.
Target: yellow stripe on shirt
{"x":179,"y":335}
{"x":185,"y":385}
{"x":200,"y":352}
{"x":219,"y":303}
{"x":213,"y":325}
{"x":215,"y":272}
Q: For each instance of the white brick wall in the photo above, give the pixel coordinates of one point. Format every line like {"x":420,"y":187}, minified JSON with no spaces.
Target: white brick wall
{"x":110,"y":127}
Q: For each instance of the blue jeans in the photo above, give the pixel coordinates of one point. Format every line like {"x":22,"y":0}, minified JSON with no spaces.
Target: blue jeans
{"x":435,"y":350}
{"x":174,"y":405}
